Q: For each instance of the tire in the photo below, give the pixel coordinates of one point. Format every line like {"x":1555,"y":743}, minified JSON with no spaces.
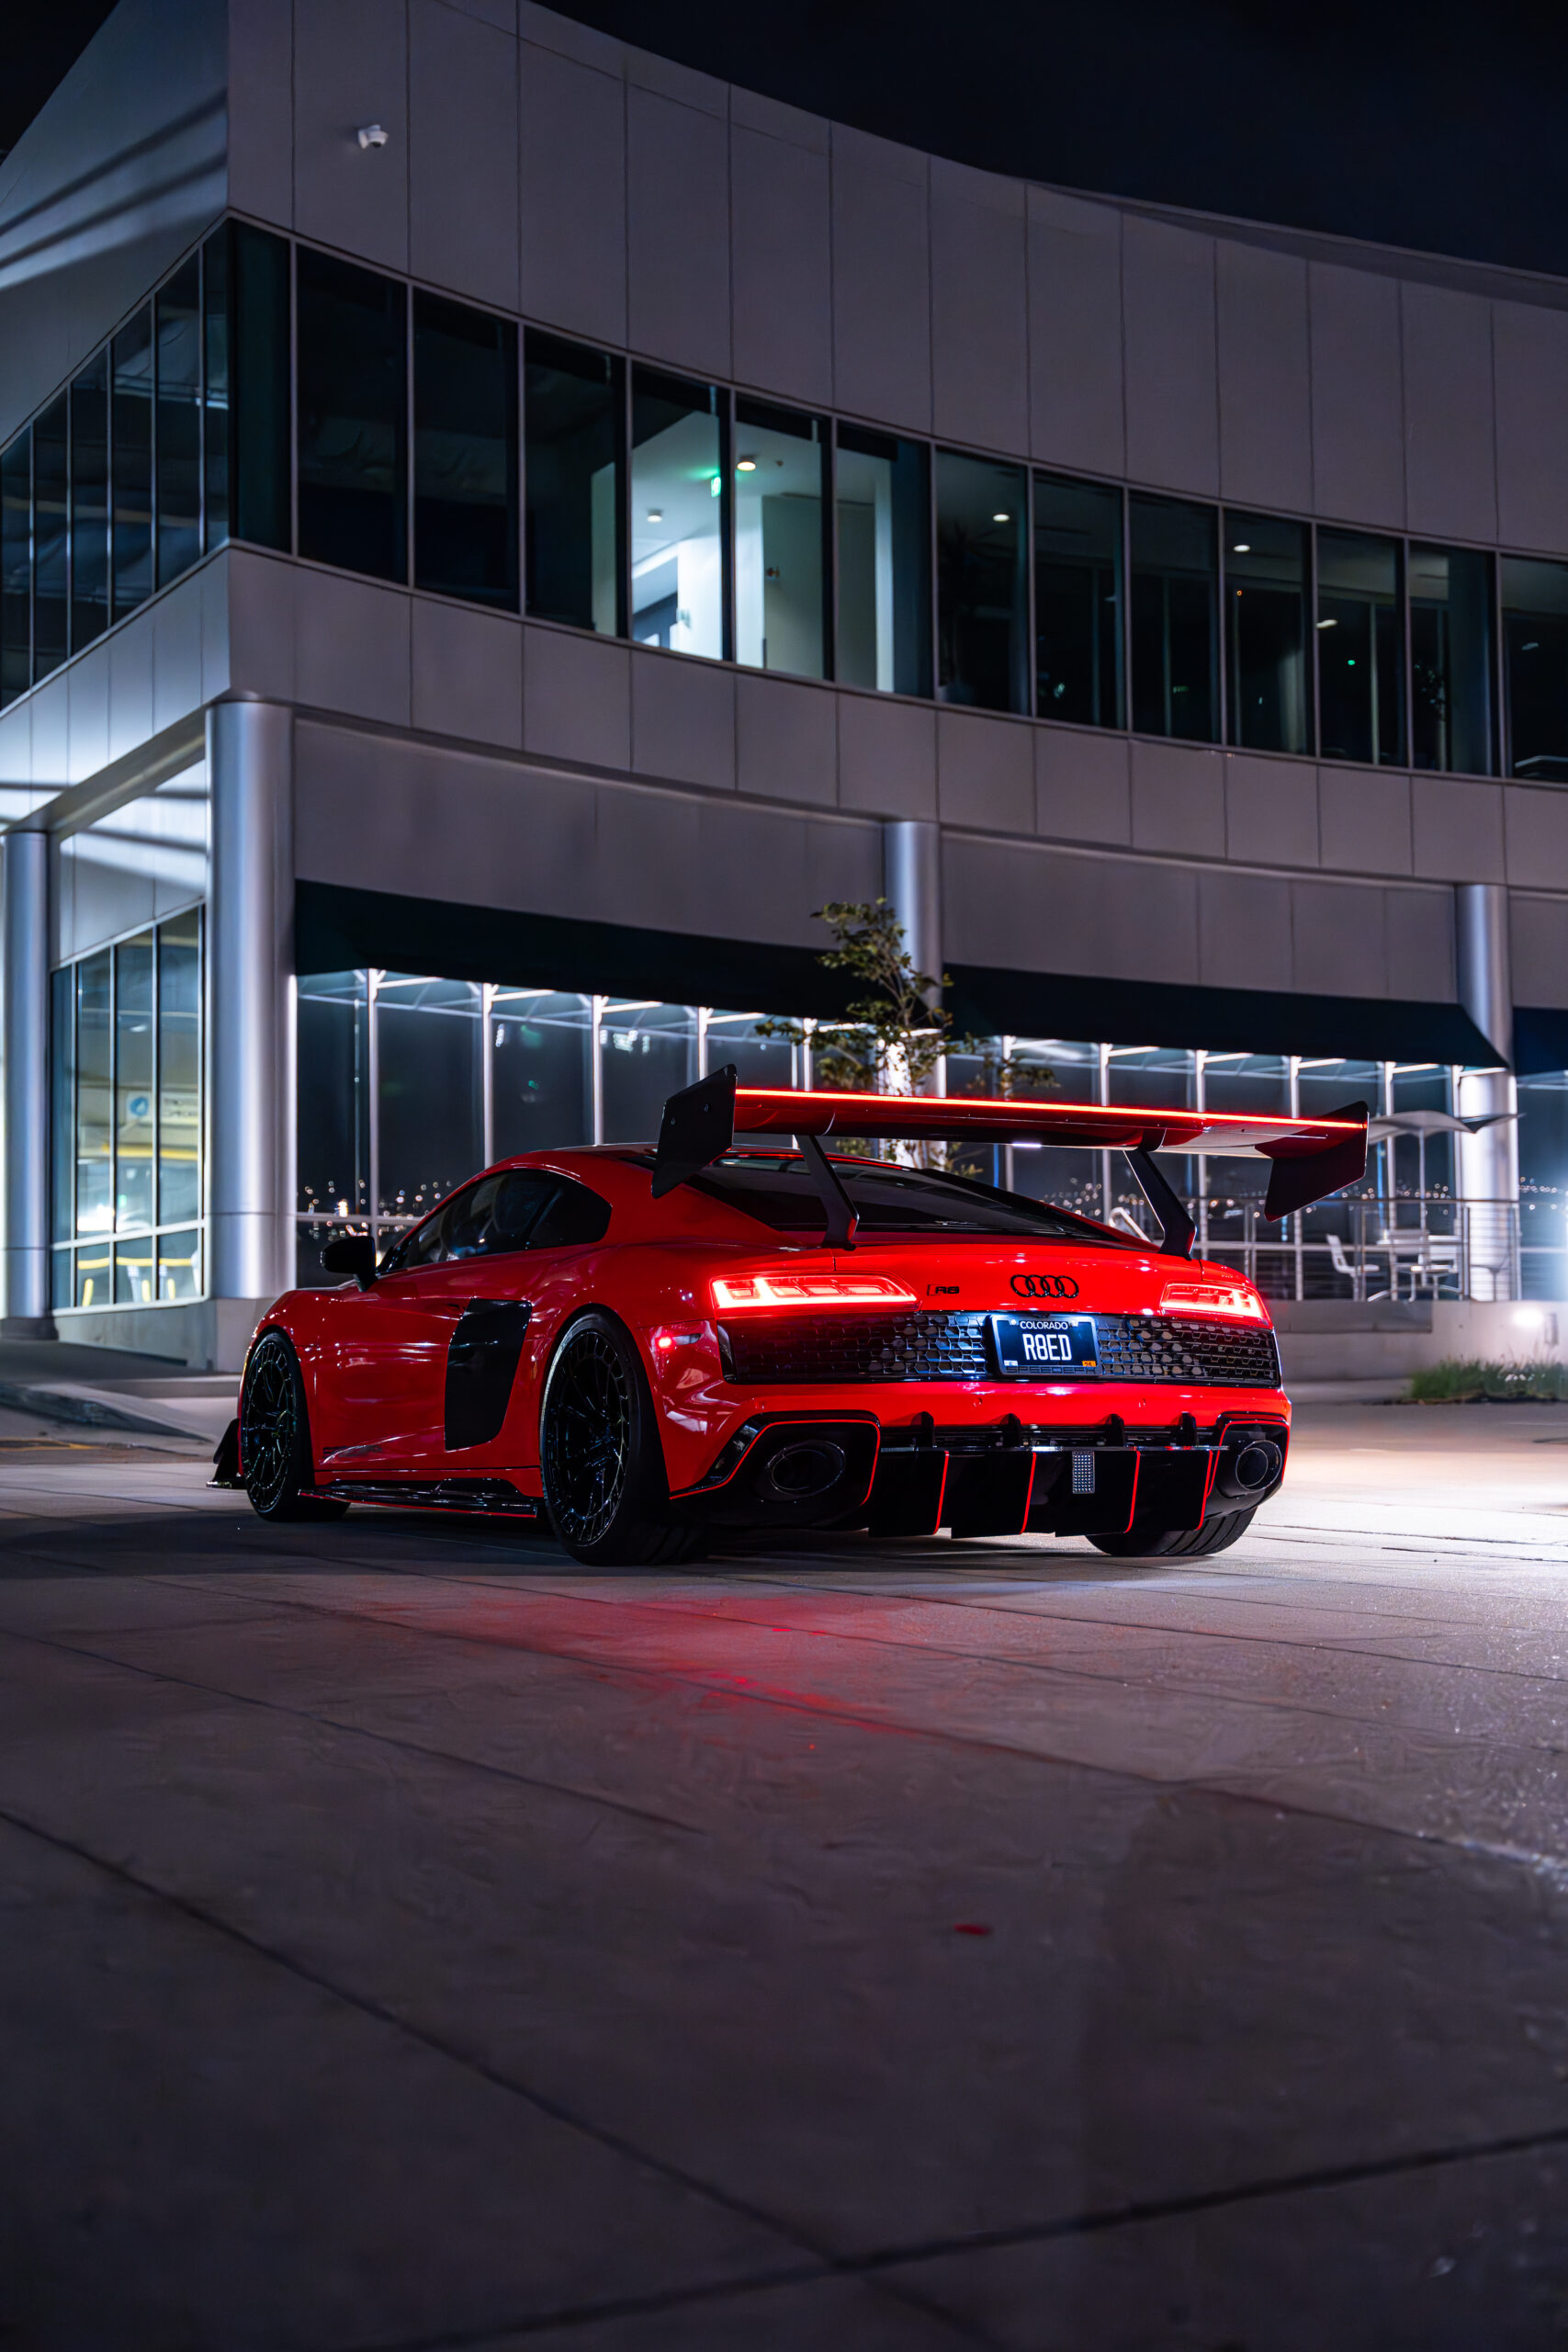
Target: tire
{"x":1169,"y":1542}
{"x":602,"y":1461}
{"x":275,"y":1427}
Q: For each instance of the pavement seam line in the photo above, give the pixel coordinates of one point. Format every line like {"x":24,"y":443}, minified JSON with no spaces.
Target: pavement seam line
{"x":830,"y":2264}
{"x":731,"y":1688}
{"x":353,"y":1731}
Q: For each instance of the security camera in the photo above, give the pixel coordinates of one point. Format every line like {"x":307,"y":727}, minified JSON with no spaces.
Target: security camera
{"x":372,"y":135}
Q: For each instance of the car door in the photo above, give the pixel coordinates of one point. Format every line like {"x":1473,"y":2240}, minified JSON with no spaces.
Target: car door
{"x":432,"y":1333}
{"x":385,"y":1355}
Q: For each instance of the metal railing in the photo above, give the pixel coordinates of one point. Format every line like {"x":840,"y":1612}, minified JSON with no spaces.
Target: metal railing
{"x":1376,"y":1246}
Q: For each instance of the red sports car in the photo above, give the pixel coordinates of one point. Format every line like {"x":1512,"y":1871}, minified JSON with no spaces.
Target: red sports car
{"x":644,"y":1345}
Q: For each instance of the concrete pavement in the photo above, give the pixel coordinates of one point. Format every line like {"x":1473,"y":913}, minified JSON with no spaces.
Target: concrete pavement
{"x":413,"y":1940}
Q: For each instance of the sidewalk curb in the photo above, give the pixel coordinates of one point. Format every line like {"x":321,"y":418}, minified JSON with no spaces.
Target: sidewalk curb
{"x":88,"y":1412}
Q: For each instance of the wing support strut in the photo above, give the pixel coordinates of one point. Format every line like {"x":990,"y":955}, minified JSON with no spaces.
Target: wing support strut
{"x":1175,"y":1227}
{"x":838,"y":1207}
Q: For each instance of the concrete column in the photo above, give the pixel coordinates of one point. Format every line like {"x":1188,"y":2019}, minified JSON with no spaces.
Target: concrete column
{"x":911,"y":884}
{"x":26,"y":1012}
{"x":1488,"y":1162}
{"x":250,"y":751}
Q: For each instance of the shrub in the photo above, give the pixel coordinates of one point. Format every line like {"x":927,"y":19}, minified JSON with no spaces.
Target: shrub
{"x":1455,"y":1382}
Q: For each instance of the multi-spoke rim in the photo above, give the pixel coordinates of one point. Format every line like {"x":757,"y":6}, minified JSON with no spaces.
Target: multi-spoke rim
{"x":588,"y":1428}
{"x":268,"y":1420}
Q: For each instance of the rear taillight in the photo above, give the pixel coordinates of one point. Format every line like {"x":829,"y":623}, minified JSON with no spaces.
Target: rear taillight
{"x":1238,"y":1299}
{"x":731,"y":1292}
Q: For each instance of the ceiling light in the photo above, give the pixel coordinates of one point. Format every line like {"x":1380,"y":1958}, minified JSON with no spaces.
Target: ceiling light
{"x":1241,"y":546}
{"x":1001,"y":518}
{"x":745,"y":465}
{"x":655,"y":514}
{"x":1329,"y":623}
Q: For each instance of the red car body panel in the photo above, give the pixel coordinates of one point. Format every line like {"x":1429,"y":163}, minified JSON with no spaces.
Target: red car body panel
{"x":375,"y":1360}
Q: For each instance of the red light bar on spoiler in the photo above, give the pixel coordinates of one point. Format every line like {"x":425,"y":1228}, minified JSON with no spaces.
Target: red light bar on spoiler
{"x":1312,"y":1158}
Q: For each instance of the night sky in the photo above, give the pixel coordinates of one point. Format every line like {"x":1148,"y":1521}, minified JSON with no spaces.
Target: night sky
{"x":1437,"y":124}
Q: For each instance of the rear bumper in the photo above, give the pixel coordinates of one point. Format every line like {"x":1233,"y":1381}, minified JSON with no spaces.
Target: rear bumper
{"x":800,"y":1467}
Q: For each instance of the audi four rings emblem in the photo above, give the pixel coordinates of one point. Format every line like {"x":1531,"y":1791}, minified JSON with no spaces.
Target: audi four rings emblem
{"x":1044,"y":1285}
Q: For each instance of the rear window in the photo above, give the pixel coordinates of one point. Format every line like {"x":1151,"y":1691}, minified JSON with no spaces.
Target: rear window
{"x":779,"y":1193}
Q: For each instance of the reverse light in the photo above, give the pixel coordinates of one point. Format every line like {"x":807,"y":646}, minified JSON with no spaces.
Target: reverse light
{"x":1238,"y":1299}
{"x":732,"y":1291}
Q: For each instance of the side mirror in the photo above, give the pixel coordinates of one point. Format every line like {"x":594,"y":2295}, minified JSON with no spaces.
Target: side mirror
{"x":352,"y":1253}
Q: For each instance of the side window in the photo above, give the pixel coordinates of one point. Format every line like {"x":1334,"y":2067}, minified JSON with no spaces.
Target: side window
{"x":574,"y":1216}
{"x":520,"y":1196}
{"x":469,"y":1221}
{"x":425,"y":1246}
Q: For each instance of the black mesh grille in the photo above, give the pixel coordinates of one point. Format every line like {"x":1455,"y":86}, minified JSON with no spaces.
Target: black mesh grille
{"x":860,"y":1347}
{"x":1143,"y":1347}
{"x":829,"y":1348}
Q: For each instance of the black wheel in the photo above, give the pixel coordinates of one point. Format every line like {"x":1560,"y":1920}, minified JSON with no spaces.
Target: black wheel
{"x":275,"y":1436}
{"x":1167,"y":1543}
{"x":599,"y":1449}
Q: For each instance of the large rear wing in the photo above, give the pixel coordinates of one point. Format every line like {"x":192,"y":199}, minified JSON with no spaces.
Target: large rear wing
{"x":1309,"y":1159}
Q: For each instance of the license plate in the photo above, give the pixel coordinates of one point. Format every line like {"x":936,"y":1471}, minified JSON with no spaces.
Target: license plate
{"x":1033,"y":1347}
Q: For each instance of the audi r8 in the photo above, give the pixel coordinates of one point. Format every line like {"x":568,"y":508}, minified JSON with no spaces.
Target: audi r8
{"x":747,"y":1327}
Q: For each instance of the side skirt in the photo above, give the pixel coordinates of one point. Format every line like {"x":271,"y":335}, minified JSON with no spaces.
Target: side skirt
{"x":491,"y":1498}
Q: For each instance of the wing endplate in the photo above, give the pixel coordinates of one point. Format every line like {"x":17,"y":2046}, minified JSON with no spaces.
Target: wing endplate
{"x":1300,"y":1176}
{"x":698,"y":1128}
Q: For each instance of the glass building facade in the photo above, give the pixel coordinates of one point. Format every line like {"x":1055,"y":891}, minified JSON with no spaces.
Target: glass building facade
{"x":269,"y":393}
{"x":410,"y":1083}
{"x":127,"y":1121}
{"x":284,"y":397}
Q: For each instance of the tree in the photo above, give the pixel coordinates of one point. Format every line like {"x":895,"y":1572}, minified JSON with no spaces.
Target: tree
{"x":895,"y":1031}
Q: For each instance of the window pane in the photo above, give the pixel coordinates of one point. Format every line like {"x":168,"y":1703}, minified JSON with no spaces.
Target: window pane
{"x":215,"y":388}
{"x":49,"y":539}
{"x":62,"y":1100}
{"x":760,"y":1061}
{"x":133,"y":1082}
{"x":179,"y":423}
{"x":259,"y":442}
{"x":16,"y":568}
{"x":94,"y":1275}
{"x":134,"y":1275}
{"x":982,"y":590}
{"x":90,"y":502}
{"x":648,"y":1051}
{"x":1265,"y":617}
{"x":1361,"y":658}
{"x":1451,"y":660}
{"x":465,"y":396}
{"x":1175,"y":669}
{"x":131,"y":374}
{"x":678,"y":514}
{"x":1078,"y":600}
{"x":428,"y":1037}
{"x":572,"y":412}
{"x":179,"y":1266}
{"x":334,"y":1088}
{"x":353,"y":418}
{"x":779,"y":613}
{"x":1535,"y":666}
{"x":179,"y":1069}
{"x":541,"y":1075}
{"x":884,"y":564}
{"x":94,"y":1133}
